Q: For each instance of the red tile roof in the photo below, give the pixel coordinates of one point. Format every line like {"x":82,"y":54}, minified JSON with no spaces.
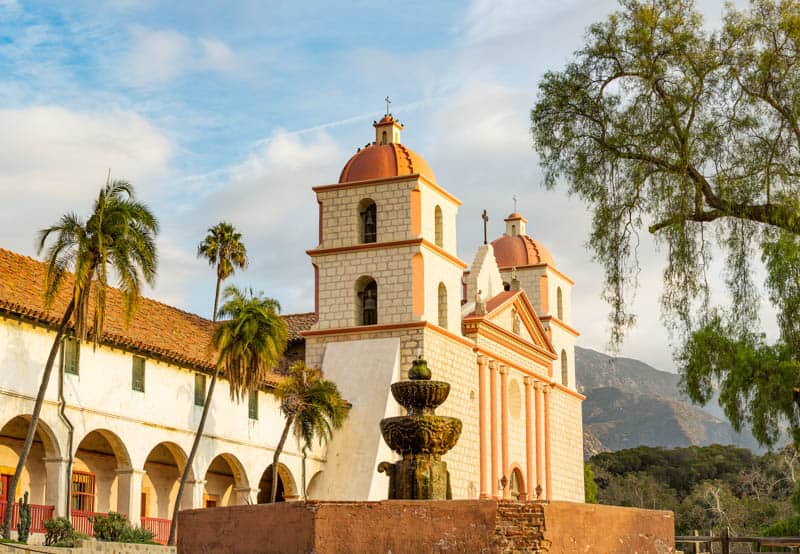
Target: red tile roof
{"x":157,"y":329}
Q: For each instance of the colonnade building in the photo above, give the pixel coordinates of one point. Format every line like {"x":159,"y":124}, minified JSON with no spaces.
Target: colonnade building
{"x":119,"y":419}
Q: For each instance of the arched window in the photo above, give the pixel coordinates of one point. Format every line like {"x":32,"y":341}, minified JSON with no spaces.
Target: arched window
{"x":383,"y":138}
{"x":367,"y":301}
{"x":442,"y":305}
{"x":564,"y":369}
{"x":560,"y":304}
{"x":368,"y":218}
{"x":506,"y":286}
{"x":437,"y":222}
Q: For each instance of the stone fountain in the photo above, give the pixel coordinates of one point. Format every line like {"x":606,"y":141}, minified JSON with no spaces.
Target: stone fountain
{"x":421,"y":437}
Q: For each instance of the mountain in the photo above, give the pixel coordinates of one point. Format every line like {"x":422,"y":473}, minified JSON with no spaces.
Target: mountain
{"x":629,"y":403}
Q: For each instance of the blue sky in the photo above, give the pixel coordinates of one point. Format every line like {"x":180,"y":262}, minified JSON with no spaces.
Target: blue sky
{"x":234,"y":110}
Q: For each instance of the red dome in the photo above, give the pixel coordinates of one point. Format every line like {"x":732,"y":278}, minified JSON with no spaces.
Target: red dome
{"x":520,"y":250}
{"x":384,"y":161}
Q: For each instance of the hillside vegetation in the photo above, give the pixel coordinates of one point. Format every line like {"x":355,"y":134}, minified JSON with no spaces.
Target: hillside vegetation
{"x":708,"y":488}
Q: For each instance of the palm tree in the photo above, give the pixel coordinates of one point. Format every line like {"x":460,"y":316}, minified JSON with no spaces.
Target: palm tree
{"x":120,"y":233}
{"x":312,"y":406}
{"x":223,"y":248}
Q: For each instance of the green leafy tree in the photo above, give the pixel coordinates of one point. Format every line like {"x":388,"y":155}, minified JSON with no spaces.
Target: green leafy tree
{"x":589,"y":485}
{"x":225,"y":251}
{"x":659,"y":122}
{"x":117,"y":239}
{"x":312,"y":407}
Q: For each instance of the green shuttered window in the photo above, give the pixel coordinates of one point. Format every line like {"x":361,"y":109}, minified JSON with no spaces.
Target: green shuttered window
{"x":199,"y":389}
{"x":252,"y":404}
{"x":137,"y":374}
{"x":69,"y":355}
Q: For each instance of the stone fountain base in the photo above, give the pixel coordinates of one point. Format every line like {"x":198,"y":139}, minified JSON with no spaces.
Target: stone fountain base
{"x":420,"y":527}
{"x":419,"y":477}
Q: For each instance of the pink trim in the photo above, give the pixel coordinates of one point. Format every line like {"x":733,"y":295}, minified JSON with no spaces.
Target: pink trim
{"x":495,"y":451}
{"x":504,"y":427}
{"x":484,"y":424}
{"x":539,"y":438}
{"x":529,"y":439}
{"x":547,"y":474}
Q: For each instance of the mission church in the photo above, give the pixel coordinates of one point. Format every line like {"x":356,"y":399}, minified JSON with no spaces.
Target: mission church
{"x":389,"y":287}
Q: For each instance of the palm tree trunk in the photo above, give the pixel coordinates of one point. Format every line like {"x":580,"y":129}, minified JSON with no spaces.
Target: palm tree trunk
{"x":190,"y":460}
{"x":37,"y":409}
{"x":173,"y":526}
{"x":278,"y":450}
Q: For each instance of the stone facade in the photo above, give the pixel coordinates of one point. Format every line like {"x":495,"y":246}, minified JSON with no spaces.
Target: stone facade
{"x":508,"y":440}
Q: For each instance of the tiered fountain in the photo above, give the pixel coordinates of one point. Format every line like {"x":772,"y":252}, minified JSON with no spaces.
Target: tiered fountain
{"x":421,"y":437}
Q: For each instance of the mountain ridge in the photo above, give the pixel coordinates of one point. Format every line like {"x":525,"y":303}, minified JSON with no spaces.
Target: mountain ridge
{"x":630,"y":403}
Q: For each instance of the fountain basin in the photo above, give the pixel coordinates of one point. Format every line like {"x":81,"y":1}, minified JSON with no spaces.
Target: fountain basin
{"x":420,"y":396}
{"x":421,"y":434}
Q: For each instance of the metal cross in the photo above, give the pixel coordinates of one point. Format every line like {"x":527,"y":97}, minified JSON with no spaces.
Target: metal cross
{"x":387,"y":104}
{"x":515,"y":202}
{"x":485,"y":218}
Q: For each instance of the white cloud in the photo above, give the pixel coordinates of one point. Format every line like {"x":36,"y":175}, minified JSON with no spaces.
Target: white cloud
{"x":217,"y":55}
{"x":52,"y":160}
{"x":159,"y":56}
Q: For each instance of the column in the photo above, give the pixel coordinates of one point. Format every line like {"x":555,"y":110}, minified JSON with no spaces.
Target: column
{"x":504,"y":429}
{"x":193,"y":495}
{"x":529,"y":461}
{"x":547,"y":475}
{"x":483,"y":392}
{"x":243,"y":495}
{"x":57,"y":486}
{"x":494,"y":484}
{"x":539,"y":440}
{"x":129,"y":493}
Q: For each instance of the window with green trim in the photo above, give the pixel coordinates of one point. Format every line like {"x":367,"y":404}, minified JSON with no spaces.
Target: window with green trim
{"x":137,"y":374}
{"x":70,"y":353}
{"x":199,"y":389}
{"x":252,"y":404}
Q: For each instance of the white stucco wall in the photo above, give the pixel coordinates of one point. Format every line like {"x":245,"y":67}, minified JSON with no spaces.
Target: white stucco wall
{"x":101,"y":398}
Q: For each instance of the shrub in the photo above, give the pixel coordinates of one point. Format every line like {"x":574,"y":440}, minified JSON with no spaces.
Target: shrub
{"x":789,"y":527}
{"x":60,"y":532}
{"x":109,"y":528}
{"x":115,"y":528}
{"x":137,"y":535}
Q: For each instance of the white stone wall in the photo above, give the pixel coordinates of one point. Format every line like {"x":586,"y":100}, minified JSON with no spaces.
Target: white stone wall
{"x":339,"y":272}
{"x":563,"y":341}
{"x":340,"y":212}
{"x":456,"y":363}
{"x":440,"y":270}
{"x":430,"y":198}
{"x":566,"y":444}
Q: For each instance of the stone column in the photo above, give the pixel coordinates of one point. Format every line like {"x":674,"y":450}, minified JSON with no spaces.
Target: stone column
{"x":495,"y":447}
{"x":484,"y":425}
{"x":243,"y":495}
{"x":193,"y":494}
{"x":539,"y":440}
{"x":504,"y":429}
{"x":129,"y":493}
{"x":529,"y":460}
{"x":57,"y":485}
{"x":547,"y":475}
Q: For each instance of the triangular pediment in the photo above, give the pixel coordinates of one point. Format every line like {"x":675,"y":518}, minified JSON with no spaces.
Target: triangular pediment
{"x":511,"y":316}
